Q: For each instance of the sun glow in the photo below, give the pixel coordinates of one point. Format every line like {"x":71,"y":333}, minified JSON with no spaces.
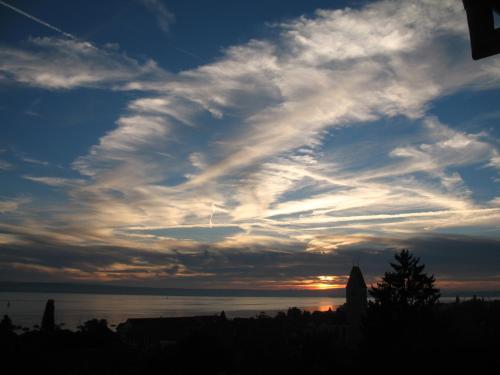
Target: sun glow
{"x":324,"y":282}
{"x":324,"y":286}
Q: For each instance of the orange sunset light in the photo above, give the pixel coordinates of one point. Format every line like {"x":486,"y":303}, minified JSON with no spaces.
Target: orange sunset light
{"x":324,"y":282}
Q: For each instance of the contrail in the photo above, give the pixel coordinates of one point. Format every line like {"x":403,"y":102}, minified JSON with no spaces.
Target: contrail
{"x":212,"y":214}
{"x":37,"y":20}
{"x":186,"y":52}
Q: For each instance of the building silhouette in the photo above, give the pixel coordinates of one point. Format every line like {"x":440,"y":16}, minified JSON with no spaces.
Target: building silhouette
{"x":356,"y":303}
{"x":48,"y":319}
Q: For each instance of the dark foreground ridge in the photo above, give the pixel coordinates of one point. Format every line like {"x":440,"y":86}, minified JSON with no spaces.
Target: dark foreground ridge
{"x":459,"y":336}
{"x":403,"y":329}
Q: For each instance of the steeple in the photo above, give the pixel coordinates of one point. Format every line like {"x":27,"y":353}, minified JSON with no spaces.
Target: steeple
{"x":356,"y":304}
{"x":356,"y":296}
{"x":48,"y":319}
{"x":356,"y":286}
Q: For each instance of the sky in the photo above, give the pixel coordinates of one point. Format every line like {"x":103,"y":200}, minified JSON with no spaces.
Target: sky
{"x":248,"y":145}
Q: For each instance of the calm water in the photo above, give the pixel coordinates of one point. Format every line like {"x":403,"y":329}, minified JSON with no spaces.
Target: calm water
{"x":26,"y":309}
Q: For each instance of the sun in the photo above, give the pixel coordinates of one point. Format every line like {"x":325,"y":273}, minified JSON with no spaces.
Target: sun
{"x":325,"y":282}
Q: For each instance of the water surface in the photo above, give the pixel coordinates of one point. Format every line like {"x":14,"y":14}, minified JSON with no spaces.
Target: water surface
{"x":26,"y":309}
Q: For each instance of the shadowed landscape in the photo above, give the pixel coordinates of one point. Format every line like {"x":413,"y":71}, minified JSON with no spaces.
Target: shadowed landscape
{"x":403,"y":321}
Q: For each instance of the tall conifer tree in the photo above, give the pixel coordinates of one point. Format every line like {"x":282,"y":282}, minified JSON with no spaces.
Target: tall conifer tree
{"x":406,"y":287}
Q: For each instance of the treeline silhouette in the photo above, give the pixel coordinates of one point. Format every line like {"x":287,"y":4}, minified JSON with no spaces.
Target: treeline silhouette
{"x":405,"y":330}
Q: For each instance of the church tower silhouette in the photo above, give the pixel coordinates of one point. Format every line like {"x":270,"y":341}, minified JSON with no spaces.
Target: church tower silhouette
{"x":356,"y":297}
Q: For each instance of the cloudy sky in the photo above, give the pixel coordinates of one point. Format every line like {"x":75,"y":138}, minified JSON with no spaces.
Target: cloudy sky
{"x":237,"y":144}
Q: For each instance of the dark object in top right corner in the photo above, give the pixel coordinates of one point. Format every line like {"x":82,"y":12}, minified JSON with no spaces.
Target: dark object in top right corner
{"x":484,"y":38}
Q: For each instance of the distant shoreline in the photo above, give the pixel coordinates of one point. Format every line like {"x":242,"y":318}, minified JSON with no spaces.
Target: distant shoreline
{"x":75,"y":288}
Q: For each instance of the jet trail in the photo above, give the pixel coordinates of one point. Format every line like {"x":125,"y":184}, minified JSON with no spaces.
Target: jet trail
{"x":212,"y":215}
{"x":37,"y":20}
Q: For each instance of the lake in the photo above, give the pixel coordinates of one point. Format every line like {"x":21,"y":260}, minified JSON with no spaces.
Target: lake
{"x":26,"y":309}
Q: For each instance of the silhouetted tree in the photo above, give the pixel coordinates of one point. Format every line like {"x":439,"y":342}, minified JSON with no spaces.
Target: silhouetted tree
{"x":400,"y":318}
{"x":294,"y":313}
{"x":6,"y":325}
{"x":222,"y":316}
{"x":407,"y":287}
{"x":95,"y":327}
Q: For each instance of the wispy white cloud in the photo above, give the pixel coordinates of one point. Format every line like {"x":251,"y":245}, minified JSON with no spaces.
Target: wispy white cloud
{"x":55,"y":181}
{"x":65,"y":63}
{"x":31,"y":110}
{"x":310,"y":85}
{"x":337,"y":68}
{"x":495,"y":160}
{"x":443,"y":149}
{"x":164,"y":17}
{"x":262,"y":159}
{"x":12,"y":204}
{"x":5,"y":165}
{"x":35,"y":161}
